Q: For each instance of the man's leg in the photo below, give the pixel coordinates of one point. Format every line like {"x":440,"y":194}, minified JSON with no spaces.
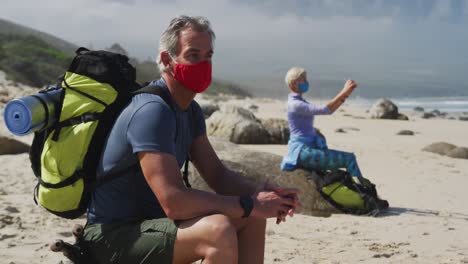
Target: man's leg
{"x":251,"y":240}
{"x":219,"y":239}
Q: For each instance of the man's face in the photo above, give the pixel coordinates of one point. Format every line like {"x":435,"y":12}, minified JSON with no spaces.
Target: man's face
{"x":194,"y":47}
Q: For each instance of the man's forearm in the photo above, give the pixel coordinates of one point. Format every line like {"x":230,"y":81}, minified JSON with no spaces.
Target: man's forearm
{"x":190,"y":203}
{"x":231,"y":183}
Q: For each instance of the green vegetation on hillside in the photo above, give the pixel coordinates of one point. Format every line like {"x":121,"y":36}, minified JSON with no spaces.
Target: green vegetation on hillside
{"x":29,"y":60}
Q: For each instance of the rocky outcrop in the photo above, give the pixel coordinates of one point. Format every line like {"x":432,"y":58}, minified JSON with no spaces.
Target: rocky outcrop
{"x":10,"y":146}
{"x":237,"y":125}
{"x":208,"y":109}
{"x":384,"y":109}
{"x":10,"y":90}
{"x":459,"y":153}
{"x":260,"y":166}
{"x":447,"y":149}
{"x":278,"y":130}
{"x":406,"y":133}
{"x":441,"y":148}
{"x":427,"y":115}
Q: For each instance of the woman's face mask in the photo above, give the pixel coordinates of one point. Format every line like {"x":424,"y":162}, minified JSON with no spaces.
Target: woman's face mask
{"x":303,"y":86}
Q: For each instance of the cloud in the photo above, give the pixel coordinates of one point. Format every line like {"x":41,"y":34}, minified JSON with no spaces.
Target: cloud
{"x":258,"y":40}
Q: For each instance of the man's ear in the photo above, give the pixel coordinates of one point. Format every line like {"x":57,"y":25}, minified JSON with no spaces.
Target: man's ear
{"x":165,"y":58}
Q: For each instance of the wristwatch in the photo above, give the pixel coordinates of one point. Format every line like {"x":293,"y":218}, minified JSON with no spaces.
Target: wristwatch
{"x":247,"y":204}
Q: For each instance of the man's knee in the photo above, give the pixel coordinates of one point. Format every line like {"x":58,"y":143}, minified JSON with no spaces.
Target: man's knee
{"x":222,"y":232}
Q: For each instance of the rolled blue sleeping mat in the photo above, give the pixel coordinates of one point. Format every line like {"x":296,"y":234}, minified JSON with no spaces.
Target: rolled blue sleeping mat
{"x":31,"y":113}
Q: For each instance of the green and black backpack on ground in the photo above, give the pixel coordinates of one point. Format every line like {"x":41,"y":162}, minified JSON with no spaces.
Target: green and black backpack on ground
{"x":351,"y":195}
{"x":94,"y":90}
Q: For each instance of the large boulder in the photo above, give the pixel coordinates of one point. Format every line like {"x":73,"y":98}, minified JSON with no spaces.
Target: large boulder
{"x":384,"y":109}
{"x":278,"y":130}
{"x":12,"y":146}
{"x":208,"y":109}
{"x":260,"y":166}
{"x":237,"y":125}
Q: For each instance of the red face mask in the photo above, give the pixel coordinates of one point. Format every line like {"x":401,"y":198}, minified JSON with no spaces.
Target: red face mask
{"x":196,"y":77}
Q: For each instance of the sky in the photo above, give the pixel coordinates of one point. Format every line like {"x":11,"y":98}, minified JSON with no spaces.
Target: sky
{"x":399,"y":48}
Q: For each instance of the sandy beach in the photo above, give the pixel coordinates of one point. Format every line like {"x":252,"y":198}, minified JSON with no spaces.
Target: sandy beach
{"x":427,"y":221}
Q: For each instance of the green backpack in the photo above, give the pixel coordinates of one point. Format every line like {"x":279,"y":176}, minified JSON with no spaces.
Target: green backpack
{"x":351,"y":195}
{"x":94,"y":90}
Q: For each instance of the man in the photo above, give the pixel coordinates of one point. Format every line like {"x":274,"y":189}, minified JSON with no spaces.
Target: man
{"x":148,"y":215}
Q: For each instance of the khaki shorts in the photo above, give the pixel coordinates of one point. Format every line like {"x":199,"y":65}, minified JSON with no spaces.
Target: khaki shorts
{"x":143,"y":241}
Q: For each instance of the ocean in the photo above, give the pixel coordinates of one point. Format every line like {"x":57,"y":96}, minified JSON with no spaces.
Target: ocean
{"x":443,"y":104}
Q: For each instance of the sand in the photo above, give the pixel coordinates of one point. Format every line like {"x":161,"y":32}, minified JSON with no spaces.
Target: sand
{"x":427,"y":222}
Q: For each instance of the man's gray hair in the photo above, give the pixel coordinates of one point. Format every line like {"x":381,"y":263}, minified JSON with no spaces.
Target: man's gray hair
{"x":170,"y":36}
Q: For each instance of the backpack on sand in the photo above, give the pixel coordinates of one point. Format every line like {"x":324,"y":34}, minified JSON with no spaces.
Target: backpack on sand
{"x":351,"y":195}
{"x":94,"y":90}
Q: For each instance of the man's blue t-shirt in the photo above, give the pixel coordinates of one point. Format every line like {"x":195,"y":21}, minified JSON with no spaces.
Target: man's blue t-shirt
{"x":146,"y":124}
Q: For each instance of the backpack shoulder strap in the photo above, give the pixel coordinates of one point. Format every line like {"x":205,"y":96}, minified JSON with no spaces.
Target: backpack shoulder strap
{"x":157,"y":90}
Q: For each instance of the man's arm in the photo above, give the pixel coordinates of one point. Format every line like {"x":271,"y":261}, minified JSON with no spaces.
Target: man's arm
{"x":227,"y":182}
{"x":162,"y":173}
{"x":217,"y":176}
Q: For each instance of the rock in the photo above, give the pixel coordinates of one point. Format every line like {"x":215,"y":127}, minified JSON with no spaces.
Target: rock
{"x":463,"y":118}
{"x":252,"y":107}
{"x":384,"y":109}
{"x":406,"y":133}
{"x":418,"y":109}
{"x":10,"y":146}
{"x":237,"y":125}
{"x":427,"y":115}
{"x":208,"y":109}
{"x":260,"y":166}
{"x":402,"y":117}
{"x":346,"y":129}
{"x":459,"y":153}
{"x":441,"y":148}
{"x":436,"y":112}
{"x":278,"y":130}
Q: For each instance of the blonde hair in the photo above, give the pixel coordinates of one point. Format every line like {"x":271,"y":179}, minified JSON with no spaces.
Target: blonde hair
{"x":293,"y":74}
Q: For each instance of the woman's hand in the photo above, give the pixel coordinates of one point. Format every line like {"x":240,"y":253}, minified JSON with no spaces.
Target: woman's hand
{"x":348,"y":88}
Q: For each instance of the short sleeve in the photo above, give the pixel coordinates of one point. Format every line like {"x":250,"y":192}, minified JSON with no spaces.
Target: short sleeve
{"x":199,"y":120}
{"x":152,"y":128}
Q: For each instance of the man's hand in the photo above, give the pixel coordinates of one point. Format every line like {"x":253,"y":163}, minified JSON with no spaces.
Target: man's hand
{"x":269,"y":204}
{"x":288,"y":193}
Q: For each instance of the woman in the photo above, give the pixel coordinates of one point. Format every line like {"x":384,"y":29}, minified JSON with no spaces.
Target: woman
{"x":306,"y":149}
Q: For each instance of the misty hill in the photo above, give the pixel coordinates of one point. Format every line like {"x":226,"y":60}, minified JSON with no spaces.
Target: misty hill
{"x":7,"y":28}
{"x":30,"y":60}
{"x":35,"y":58}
